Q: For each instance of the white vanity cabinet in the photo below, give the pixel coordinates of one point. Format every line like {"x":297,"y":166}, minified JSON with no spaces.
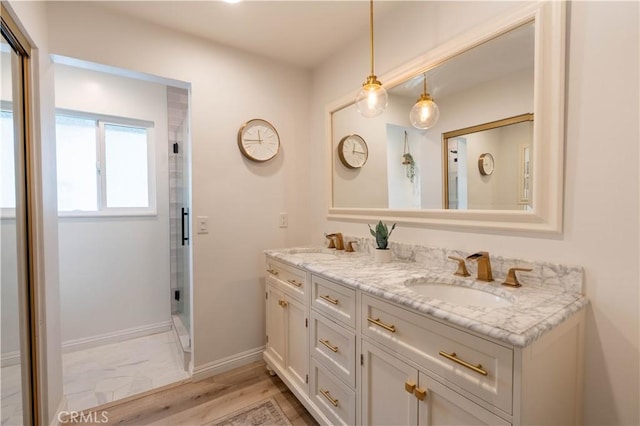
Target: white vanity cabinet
{"x":287,"y":320}
{"x":395,"y":392}
{"x":409,"y":370}
{"x":423,"y":372}
{"x":333,"y":350}
{"x":354,"y":358}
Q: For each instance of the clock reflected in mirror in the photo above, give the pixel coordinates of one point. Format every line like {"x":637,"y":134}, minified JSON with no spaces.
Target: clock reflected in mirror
{"x":258,"y":140}
{"x":353,"y":151}
{"x":486,"y":164}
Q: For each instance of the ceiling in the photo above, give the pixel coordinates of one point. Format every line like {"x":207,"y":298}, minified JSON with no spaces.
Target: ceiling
{"x":302,"y":32}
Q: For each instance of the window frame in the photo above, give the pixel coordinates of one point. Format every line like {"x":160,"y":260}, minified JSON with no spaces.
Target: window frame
{"x":101,"y":166}
{"x":8,"y":212}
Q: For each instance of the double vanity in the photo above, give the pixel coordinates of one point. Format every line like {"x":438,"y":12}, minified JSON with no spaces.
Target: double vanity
{"x":408,"y":342}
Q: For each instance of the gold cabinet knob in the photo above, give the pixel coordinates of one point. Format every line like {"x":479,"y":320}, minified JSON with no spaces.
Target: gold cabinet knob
{"x":420,"y":393}
{"x":410,"y":386}
{"x":283,"y":303}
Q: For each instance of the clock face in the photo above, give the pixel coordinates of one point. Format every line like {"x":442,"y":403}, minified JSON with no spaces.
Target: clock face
{"x":258,"y":140}
{"x":353,"y":151}
{"x":486,"y":164}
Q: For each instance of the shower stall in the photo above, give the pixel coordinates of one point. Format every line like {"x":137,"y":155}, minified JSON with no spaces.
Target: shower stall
{"x":180,"y":216}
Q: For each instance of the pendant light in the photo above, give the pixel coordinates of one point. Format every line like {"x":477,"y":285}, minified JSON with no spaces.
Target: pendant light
{"x":372,"y":99}
{"x":425,"y":112}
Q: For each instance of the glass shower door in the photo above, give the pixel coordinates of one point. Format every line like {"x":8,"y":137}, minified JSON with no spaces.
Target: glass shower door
{"x":184,"y":256}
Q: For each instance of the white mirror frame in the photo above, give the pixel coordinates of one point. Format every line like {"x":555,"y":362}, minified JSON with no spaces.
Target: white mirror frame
{"x":548,"y":129}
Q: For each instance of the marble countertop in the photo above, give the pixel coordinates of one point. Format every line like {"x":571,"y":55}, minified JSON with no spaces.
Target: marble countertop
{"x":534,"y":309}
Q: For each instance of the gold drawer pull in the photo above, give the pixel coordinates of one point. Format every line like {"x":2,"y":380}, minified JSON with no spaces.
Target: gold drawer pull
{"x":420,"y":393}
{"x":327,"y":395}
{"x":283,"y":303}
{"x":409,"y":386}
{"x":329,"y":345}
{"x":452,"y":356}
{"x":294,"y":282}
{"x":391,"y":328}
{"x":272,"y":271}
{"x":329,"y":299}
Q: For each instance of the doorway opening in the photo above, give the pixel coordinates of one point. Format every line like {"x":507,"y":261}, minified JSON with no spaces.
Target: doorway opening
{"x":123,"y":169}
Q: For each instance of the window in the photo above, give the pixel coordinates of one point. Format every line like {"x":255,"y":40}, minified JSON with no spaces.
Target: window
{"x":7,"y":162}
{"x":105,"y":166}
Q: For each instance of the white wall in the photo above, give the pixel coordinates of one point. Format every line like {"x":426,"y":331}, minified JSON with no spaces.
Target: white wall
{"x":403,"y":192}
{"x":242,"y":199}
{"x":498,"y":190}
{"x":32,"y":17}
{"x":114,"y":271}
{"x":9,"y":274}
{"x":10,"y":344}
{"x":601,"y":174}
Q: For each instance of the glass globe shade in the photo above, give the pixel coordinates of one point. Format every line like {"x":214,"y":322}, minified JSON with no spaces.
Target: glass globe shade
{"x":425,"y":113}
{"x":372,"y":99}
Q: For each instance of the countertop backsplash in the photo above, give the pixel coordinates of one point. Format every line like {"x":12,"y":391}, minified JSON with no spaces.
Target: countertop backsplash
{"x":544,"y":274}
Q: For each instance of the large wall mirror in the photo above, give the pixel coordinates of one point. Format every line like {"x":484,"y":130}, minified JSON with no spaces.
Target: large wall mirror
{"x":494,"y":158}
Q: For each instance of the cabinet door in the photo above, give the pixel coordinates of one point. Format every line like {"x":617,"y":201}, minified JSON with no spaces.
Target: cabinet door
{"x":386,"y":381}
{"x":443,"y":406}
{"x":275,"y":312}
{"x":297,"y":343}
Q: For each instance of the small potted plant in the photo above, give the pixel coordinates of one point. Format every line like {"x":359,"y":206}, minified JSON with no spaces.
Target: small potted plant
{"x":382,"y":234}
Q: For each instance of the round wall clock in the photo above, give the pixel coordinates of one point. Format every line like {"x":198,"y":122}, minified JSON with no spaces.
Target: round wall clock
{"x":353,"y":151}
{"x":486,"y":164}
{"x":258,"y":140}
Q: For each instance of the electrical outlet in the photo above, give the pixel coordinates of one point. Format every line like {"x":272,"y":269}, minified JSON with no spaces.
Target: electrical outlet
{"x":284,"y":220}
{"x":203,"y":224}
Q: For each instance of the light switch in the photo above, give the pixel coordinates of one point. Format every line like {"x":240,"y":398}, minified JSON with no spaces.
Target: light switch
{"x":203,"y":224}
{"x":284,"y":220}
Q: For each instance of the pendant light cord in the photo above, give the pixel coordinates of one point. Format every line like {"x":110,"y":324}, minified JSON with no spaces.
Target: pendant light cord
{"x":371,"y":26}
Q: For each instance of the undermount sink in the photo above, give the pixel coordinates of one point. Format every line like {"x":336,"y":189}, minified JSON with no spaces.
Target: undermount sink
{"x":460,"y":295}
{"x":313,"y":254}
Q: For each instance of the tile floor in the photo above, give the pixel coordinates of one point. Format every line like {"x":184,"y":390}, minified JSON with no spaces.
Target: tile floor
{"x":11,"y":395}
{"x":105,"y":373}
{"x":99,"y":375}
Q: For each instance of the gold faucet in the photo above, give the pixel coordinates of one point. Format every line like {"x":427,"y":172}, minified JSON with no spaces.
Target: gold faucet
{"x":350,"y":248}
{"x":462,"y":268}
{"x":484,"y":265}
{"x":332,"y":243}
{"x":512,"y":278}
{"x":337,"y":239}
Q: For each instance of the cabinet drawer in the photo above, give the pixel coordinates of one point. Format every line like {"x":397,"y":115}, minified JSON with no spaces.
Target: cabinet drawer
{"x":335,"y":347}
{"x":337,"y":301}
{"x":295,"y":279}
{"x":336,"y":401}
{"x":477,"y":366}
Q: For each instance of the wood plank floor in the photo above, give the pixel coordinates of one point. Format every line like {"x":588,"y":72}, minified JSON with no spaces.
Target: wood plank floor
{"x":201,"y":402}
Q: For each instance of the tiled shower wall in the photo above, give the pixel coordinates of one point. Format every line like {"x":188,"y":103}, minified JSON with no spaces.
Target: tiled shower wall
{"x":177,"y":105}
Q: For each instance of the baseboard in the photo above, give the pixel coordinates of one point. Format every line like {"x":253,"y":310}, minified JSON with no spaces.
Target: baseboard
{"x":226,"y":364}
{"x":61,"y":413}
{"x":10,"y":358}
{"x":117,"y":336}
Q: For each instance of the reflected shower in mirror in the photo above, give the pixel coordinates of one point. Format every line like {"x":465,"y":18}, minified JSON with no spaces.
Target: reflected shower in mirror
{"x":486,"y":83}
